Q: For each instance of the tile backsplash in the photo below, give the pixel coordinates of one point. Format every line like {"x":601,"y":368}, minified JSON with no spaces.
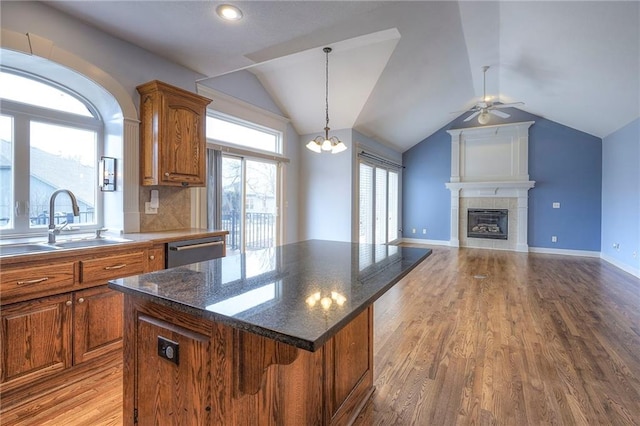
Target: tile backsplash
{"x":174,"y":211}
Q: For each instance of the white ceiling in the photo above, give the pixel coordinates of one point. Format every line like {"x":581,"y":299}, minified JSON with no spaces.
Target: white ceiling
{"x":399,"y":69}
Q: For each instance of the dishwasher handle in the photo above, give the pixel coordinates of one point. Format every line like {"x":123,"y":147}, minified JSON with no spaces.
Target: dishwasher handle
{"x":197,"y":246}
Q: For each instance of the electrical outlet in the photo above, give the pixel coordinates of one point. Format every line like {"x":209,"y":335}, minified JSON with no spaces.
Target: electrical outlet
{"x":556,"y":205}
{"x":635,"y":254}
{"x":616,"y":246}
{"x":554,"y":239}
{"x":413,"y":231}
{"x":424,"y":231}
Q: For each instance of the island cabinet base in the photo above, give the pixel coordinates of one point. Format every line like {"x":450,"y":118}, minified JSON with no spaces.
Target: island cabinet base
{"x":183,"y":370}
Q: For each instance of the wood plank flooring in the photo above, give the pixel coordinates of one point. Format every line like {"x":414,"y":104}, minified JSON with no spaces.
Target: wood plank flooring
{"x":470,"y":337}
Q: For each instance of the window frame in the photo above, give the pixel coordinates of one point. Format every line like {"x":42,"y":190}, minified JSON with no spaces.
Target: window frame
{"x":23,"y":114}
{"x":375,"y":165}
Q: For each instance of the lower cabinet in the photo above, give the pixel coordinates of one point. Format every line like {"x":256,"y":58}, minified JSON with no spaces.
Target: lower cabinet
{"x":174,"y":363}
{"x":48,"y":335}
{"x":37,"y":335}
{"x":97,"y":323}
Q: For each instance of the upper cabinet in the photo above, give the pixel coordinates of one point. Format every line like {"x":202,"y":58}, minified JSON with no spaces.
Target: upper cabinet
{"x":172,"y":135}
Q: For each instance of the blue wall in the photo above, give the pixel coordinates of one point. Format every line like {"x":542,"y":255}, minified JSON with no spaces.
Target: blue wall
{"x":426,"y":203}
{"x":621,"y":197}
{"x":565,"y":163}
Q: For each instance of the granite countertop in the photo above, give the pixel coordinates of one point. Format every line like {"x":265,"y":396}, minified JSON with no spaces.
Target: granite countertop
{"x":301,"y":294}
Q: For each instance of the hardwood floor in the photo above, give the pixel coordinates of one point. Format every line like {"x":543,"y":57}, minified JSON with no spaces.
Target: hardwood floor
{"x":469,"y":337}
{"x":490,"y":337}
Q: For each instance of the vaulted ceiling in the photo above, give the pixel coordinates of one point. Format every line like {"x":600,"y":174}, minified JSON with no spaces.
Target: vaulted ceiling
{"x":400,"y":70}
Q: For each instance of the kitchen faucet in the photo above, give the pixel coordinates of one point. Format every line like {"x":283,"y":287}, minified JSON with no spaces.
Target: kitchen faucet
{"x":53,"y":230}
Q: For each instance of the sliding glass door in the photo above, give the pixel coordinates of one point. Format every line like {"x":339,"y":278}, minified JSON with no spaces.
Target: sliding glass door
{"x":379,"y":204}
{"x":249,"y":205}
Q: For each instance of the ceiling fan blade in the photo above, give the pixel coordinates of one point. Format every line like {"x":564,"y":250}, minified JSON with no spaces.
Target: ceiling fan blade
{"x":499,"y":113}
{"x":497,"y":106}
{"x":472,"y":116}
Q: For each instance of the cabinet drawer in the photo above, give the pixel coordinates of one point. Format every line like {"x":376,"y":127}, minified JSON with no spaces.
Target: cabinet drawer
{"x":22,"y":283}
{"x":105,"y":268}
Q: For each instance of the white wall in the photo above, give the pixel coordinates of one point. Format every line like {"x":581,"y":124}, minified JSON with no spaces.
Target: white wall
{"x":326,"y":190}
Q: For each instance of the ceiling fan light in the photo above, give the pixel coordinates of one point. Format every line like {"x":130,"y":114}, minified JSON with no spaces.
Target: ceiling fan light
{"x":484,"y":117}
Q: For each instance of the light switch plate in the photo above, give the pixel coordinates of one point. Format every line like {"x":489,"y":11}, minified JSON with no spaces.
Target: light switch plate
{"x":148,"y":209}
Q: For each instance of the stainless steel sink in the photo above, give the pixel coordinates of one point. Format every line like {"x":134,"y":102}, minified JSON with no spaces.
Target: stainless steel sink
{"x":25,"y":248}
{"x":89,"y":242}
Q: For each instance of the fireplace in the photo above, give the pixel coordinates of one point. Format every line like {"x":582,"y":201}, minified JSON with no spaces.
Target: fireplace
{"x":490,"y":170}
{"x":485,"y":223}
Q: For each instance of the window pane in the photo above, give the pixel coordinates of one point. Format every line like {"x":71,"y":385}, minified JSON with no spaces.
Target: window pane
{"x":226,"y":131}
{"x":260,"y":204}
{"x":62,"y":157}
{"x":393,"y":206}
{"x":231,"y":208}
{"x":366,"y":204}
{"x":6,"y":172}
{"x":20,"y":89}
{"x":381,"y":206}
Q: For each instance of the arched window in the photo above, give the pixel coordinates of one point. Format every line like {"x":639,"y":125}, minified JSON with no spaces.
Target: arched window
{"x":50,"y":139}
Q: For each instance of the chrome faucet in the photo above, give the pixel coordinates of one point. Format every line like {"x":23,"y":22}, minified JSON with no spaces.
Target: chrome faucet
{"x":53,"y":230}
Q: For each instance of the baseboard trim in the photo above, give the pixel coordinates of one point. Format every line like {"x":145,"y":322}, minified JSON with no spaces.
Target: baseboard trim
{"x":626,"y":268}
{"x":426,"y":242}
{"x":565,"y":252}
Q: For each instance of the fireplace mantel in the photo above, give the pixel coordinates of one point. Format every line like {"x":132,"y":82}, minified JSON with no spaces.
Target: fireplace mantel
{"x":491,"y":162}
{"x":491,"y":189}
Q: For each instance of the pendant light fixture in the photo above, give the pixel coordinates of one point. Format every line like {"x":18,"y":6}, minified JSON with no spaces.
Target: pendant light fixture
{"x":326,"y":143}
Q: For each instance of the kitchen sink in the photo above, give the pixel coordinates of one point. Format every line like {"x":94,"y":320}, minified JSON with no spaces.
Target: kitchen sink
{"x":89,"y":242}
{"x":25,"y":248}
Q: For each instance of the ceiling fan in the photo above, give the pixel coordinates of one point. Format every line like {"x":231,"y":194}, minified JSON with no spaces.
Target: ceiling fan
{"x":485,"y":107}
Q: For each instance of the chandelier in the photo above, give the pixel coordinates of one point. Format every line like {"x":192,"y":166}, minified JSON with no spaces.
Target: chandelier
{"x":326,"y":143}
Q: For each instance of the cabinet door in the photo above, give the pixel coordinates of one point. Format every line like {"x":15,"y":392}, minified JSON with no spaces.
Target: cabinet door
{"x":97,"y":323}
{"x":349,"y":364}
{"x":173,"y":386}
{"x":182,"y":150}
{"x":35,"y":339}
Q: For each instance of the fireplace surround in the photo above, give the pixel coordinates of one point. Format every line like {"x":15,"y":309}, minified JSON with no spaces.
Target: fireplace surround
{"x":490,"y":170}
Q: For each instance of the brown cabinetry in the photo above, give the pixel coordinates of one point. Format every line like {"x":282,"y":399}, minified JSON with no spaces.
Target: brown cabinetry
{"x":172,"y":135}
{"x":214,"y":374}
{"x":155,"y":258}
{"x":97,"y":323}
{"x":59,"y":314}
{"x":36,"y":339}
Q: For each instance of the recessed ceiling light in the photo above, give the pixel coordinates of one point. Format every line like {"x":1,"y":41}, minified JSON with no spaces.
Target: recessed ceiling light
{"x":229,"y":12}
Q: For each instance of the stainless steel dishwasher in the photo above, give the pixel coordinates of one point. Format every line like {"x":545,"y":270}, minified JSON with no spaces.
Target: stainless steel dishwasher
{"x":192,"y":251}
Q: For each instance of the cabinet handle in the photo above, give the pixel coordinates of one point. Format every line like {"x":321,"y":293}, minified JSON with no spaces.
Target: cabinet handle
{"x":81,"y":300}
{"x":68,"y":303}
{"x":167,"y":174}
{"x":108,"y":268}
{"x":36,"y":281}
{"x":152,"y":257}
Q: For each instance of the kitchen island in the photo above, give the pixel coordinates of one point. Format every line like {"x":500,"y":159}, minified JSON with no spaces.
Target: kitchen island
{"x":275,"y":336}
